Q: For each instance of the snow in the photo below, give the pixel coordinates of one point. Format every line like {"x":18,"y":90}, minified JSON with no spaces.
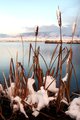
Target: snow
{"x":64,"y":100}
{"x":43,"y":101}
{"x":65,"y":78}
{"x":17,"y":105}
{"x":30,"y":83}
{"x":51,"y":82}
{"x":74,"y":109}
{"x":11,"y":89}
{"x":39,"y":98}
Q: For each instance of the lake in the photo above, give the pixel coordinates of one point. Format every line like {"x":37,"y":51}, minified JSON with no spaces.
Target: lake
{"x":9,"y":50}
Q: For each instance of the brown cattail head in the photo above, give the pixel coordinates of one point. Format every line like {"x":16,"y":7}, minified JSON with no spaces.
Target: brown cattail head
{"x":36,"y":32}
{"x":58,"y":14}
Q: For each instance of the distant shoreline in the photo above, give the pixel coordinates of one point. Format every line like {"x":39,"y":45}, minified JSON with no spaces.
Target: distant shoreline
{"x":47,"y":41}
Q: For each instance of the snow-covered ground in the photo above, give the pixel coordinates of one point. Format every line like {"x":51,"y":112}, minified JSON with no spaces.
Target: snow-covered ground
{"x":74,"y":109}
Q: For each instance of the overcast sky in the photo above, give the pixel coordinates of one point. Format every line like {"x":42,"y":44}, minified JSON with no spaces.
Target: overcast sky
{"x":16,"y":15}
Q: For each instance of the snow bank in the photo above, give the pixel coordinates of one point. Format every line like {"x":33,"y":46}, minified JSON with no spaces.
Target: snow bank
{"x":30,"y":85}
{"x":74,"y":109}
{"x":37,"y":100}
{"x":17,"y":105}
{"x":51,"y":84}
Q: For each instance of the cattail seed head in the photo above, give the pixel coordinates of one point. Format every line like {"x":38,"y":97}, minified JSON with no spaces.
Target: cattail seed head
{"x":74,"y":28}
{"x":58,"y":14}
{"x":36,"y":32}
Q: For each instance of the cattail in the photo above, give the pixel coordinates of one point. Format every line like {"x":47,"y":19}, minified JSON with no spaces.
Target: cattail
{"x":58,"y":14}
{"x":36,"y":32}
{"x":74,"y":28}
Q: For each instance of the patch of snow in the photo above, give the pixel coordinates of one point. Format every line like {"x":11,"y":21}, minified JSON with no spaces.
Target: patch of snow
{"x":40,"y":98}
{"x":51,"y":82}
{"x":65,"y":78}
{"x":11,"y":89}
{"x":17,"y":105}
{"x":74,"y":109}
{"x":30,"y":85}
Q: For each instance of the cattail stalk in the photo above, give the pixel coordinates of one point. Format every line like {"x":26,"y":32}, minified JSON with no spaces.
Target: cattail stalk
{"x":58,"y":13}
{"x":22,"y":51}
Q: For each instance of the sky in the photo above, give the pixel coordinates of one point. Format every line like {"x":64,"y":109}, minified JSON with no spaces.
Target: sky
{"x":17,"y":15}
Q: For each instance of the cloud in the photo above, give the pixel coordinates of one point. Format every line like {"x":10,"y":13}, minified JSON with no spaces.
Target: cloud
{"x":10,"y":25}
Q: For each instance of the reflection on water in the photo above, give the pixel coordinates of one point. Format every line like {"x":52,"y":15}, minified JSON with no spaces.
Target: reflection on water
{"x":9,"y":50}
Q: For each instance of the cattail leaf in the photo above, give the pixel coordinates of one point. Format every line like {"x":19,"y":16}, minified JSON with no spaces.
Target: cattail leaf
{"x":44,"y":60}
{"x":66,"y":56}
{"x":53,"y":55}
{"x":56,"y":58}
{"x":12,"y":70}
{"x":69,"y":80}
{"x":5,"y":80}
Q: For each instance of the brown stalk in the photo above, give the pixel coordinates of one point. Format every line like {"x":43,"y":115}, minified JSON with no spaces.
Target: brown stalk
{"x":5,"y":80}
{"x":56,"y":58}
{"x":12,"y":71}
{"x":59,"y":97}
{"x":23,"y":81}
{"x":68,"y":85}
{"x":36,"y":34}
{"x":17,"y":81}
{"x":39,"y":76}
{"x":58,"y":62}
{"x":60,"y":25}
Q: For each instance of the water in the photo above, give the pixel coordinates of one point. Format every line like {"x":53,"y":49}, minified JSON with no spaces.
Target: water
{"x":9,"y":50}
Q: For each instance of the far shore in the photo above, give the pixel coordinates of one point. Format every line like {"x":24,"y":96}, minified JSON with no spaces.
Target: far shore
{"x":47,"y":41}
